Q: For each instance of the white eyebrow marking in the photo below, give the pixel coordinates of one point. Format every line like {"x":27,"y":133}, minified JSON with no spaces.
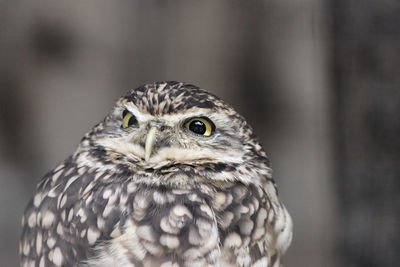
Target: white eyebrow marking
{"x":140,"y":116}
{"x":171,"y":119}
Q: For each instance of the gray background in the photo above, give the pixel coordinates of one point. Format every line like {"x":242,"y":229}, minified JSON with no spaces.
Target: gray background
{"x":63,"y":64}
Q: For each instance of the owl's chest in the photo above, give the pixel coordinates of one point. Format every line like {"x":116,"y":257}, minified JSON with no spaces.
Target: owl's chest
{"x":187,"y":227}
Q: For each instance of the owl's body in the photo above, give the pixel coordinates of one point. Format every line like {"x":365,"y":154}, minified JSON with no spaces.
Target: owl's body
{"x":172,"y":177}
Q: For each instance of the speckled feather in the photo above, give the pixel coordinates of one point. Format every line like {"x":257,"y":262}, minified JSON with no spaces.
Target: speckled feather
{"x":197,"y":201}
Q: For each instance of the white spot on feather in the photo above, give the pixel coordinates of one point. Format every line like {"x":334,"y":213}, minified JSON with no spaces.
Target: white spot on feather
{"x":92,"y":235}
{"x":41,"y":263}
{"x":232,"y":240}
{"x":116,"y":232}
{"x":27,"y":248}
{"x":48,"y":219}
{"x":32,"y":220}
{"x":57,"y":257}
{"x":60,"y":229}
{"x":51,"y":242}
{"x":107,"y":194}
{"x":39,"y":242}
{"x":56,"y":175}
{"x":37,"y":199}
{"x":169,"y":241}
{"x":107,"y":210}
{"x":261,"y":216}
{"x":246,"y":226}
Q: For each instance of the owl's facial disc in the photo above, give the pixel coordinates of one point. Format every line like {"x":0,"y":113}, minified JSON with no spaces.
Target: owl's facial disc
{"x":157,"y":140}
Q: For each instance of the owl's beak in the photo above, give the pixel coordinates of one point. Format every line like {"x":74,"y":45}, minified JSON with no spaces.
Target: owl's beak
{"x":150,"y":140}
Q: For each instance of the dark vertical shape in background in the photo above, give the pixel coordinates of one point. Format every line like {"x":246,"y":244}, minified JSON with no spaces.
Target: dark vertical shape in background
{"x":256,"y":93}
{"x":367,"y":76}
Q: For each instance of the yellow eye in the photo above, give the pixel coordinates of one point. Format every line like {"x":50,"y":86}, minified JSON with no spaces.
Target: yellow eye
{"x":128,"y":119}
{"x":202,"y":126}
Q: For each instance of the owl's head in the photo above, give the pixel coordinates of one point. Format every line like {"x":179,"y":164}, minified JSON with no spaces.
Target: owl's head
{"x":170,"y":124}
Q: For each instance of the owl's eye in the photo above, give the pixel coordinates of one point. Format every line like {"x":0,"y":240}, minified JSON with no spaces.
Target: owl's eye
{"x":202,"y":126}
{"x":128,"y":119}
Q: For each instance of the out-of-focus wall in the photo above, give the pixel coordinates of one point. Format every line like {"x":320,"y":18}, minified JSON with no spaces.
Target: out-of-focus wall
{"x":63,"y":64}
{"x":367,"y":129}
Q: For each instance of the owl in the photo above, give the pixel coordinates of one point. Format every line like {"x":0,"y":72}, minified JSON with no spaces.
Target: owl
{"x":173,"y":176}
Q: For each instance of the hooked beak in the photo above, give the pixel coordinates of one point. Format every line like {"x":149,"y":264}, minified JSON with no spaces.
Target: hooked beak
{"x":150,"y":140}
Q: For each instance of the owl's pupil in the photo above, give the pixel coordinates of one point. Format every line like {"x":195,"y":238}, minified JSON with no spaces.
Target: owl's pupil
{"x":132,"y":121}
{"x":197,"y":127}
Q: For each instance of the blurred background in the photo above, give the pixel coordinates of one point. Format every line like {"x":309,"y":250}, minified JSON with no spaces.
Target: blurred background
{"x":317,"y":79}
